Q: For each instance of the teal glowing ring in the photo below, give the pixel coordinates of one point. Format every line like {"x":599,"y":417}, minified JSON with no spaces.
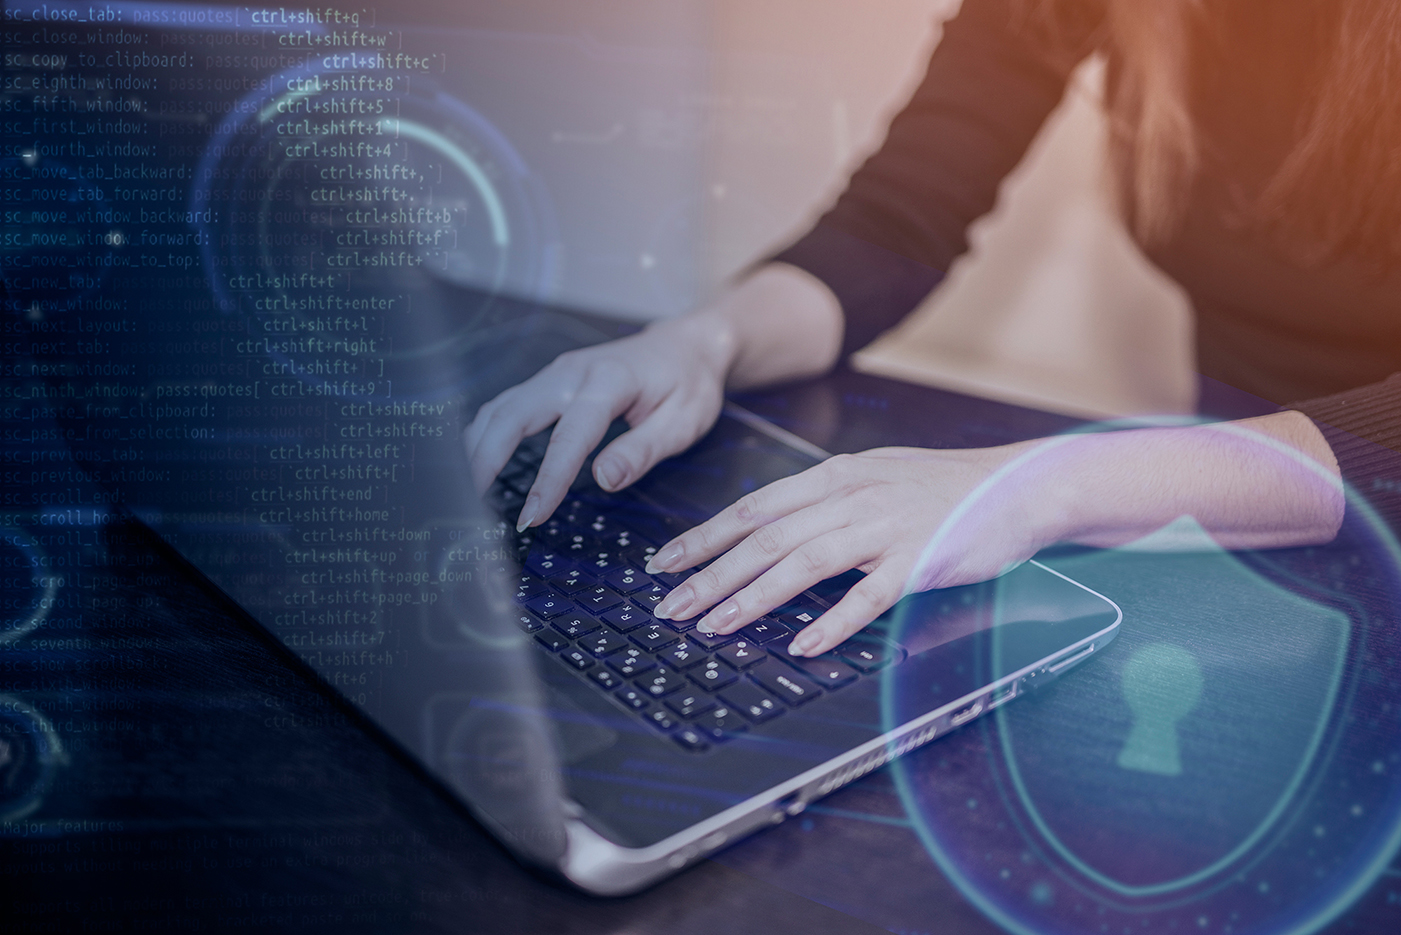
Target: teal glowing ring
{"x":1366,"y":856}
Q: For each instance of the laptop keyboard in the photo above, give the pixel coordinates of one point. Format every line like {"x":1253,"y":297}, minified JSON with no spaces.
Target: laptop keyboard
{"x":585,"y":597}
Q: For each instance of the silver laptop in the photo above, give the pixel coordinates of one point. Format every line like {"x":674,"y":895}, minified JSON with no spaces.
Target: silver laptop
{"x":294,"y":297}
{"x":526,"y":673}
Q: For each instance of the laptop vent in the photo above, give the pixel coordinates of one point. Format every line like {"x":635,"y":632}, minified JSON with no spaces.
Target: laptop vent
{"x":877,"y":758}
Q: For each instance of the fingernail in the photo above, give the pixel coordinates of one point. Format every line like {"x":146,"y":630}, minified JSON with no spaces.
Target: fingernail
{"x":801,"y":644}
{"x":664,"y":559}
{"x":676,"y":603}
{"x":532,"y":504}
{"x":720,"y":617}
{"x":609,"y":474}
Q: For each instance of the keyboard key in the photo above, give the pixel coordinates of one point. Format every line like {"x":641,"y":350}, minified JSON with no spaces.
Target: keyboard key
{"x":527,"y":586}
{"x":576,"y":546}
{"x":604,"y":643}
{"x":661,"y":718}
{"x":605,"y":678}
{"x":691,"y":739}
{"x":720,"y":724}
{"x":710,"y":641}
{"x":681,"y":626}
{"x":577,"y":658}
{"x":570,"y":581}
{"x":713,"y":675}
{"x":669,"y":580}
{"x":601,"y":527}
{"x":574,"y":625}
{"x":628,"y":579}
{"x":625,"y":618}
{"x":598,"y":598}
{"x":545,"y":562}
{"x":603,"y":562}
{"x":639,"y":554}
{"x":786,"y":684}
{"x":779,"y":647}
{"x":654,"y":636}
{"x":764,"y":631}
{"x":551,"y":640}
{"x":868,"y":655}
{"x":623,"y":542}
{"x":573,"y":512}
{"x":552,"y":531}
{"x":824,"y":670}
{"x":796,"y":616}
{"x":631,"y":662}
{"x":683,"y":655}
{"x":752,"y":702}
{"x":834,"y":589}
{"x":548,"y":605}
{"x":741,"y":654}
{"x":690,"y":704}
{"x":661,"y":682}
{"x":528,"y":622}
{"x":634,"y":698}
{"x":649,"y":597}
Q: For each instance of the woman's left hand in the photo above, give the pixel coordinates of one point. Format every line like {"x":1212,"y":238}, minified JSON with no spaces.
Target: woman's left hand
{"x":877,"y":511}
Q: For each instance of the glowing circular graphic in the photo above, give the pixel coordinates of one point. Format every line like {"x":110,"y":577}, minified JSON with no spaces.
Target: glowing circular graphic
{"x":1230,"y":763}
{"x":30,"y":754}
{"x":24,"y":574}
{"x":58,"y":244}
{"x":466,"y":567}
{"x":363,"y":219}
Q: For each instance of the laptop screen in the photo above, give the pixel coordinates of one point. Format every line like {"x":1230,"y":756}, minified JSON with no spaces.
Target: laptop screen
{"x":266,"y":261}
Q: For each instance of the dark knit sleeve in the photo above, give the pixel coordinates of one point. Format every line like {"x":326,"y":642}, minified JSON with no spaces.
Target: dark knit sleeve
{"x":996,"y":74}
{"x":1363,"y":427}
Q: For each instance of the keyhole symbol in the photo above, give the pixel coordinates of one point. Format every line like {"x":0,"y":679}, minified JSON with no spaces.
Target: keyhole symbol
{"x":1162,"y":683}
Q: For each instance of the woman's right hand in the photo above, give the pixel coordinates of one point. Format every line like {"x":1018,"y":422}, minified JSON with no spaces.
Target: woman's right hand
{"x":667,"y":382}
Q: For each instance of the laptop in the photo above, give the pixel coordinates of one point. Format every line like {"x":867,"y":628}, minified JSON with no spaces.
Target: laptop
{"x":290,"y":255}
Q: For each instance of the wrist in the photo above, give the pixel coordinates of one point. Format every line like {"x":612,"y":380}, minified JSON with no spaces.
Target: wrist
{"x":706,"y":336}
{"x":1052,"y":501}
{"x":1260,"y":483}
{"x":784,"y":324}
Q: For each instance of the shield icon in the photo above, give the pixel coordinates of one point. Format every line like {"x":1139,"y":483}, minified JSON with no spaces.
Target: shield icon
{"x":1232,"y":762}
{"x":1180,"y":752}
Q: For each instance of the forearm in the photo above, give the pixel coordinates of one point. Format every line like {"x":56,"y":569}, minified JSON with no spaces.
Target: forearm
{"x":780,"y":323}
{"x":1268,"y":482}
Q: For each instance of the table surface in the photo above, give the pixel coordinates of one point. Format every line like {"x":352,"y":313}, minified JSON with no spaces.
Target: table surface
{"x":206,"y":785}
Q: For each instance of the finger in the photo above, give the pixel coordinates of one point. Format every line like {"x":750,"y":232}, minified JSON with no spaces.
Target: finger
{"x":578,"y":430}
{"x":759,"y":552}
{"x":472,"y":434}
{"x":516,"y":413}
{"x":667,"y":430}
{"x":813,"y":561}
{"x":740,"y":519}
{"x":763,"y":550}
{"x":870,"y":597}
{"x":500,"y":432}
